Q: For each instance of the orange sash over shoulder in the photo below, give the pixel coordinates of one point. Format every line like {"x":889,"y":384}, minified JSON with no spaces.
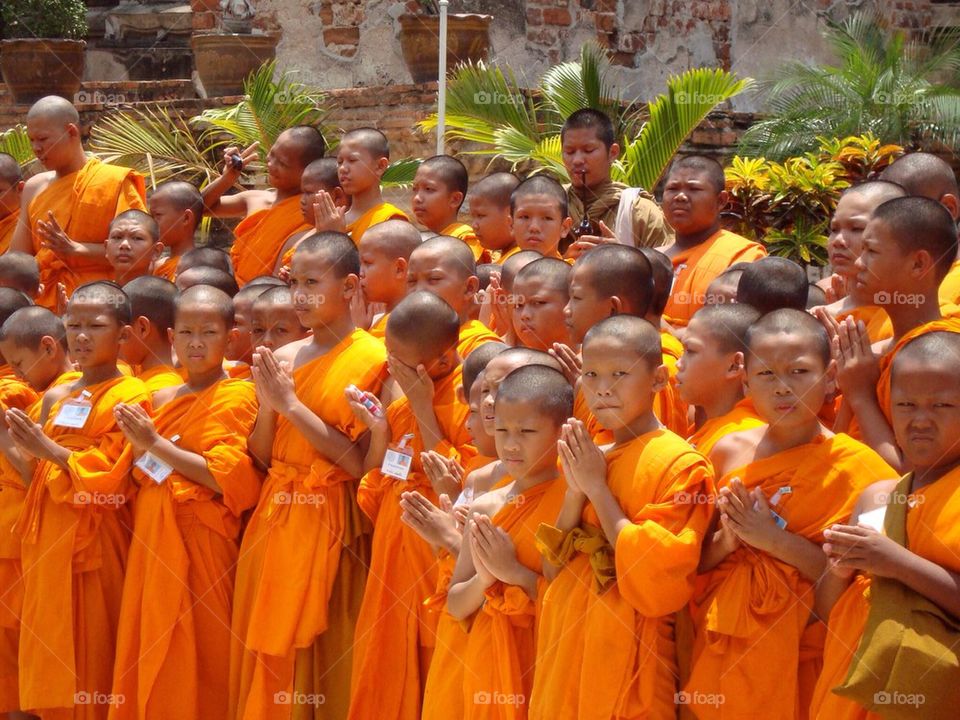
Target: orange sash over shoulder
{"x":173,"y":644}
{"x":167,"y":268}
{"x":473,"y":334}
{"x":75,"y":531}
{"x":259,"y":237}
{"x":291,"y":550}
{"x":160,"y":377}
{"x":605,"y":645}
{"x":750,"y":612}
{"x":742,"y":417}
{"x":695,"y":268}
{"x":393,"y":635}
{"x":950,"y":287}
{"x":874,"y":318}
{"x":7,"y":227}
{"x":374,"y":216}
{"x":84,"y":203}
{"x":464,"y":232}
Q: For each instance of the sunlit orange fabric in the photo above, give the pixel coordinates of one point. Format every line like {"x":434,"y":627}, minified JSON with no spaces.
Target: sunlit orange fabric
{"x":874,"y":318}
{"x":473,"y":334}
{"x":375,"y":215}
{"x":167,"y":268}
{"x":464,"y":232}
{"x":7,"y":226}
{"x":259,"y":237}
{"x":949,"y":293}
{"x":743,"y":416}
{"x":159,"y":377}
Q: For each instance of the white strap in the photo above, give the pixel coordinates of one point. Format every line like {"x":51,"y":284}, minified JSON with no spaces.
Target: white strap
{"x":623,"y":227}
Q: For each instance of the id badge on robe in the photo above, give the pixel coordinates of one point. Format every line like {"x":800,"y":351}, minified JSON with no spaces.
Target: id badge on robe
{"x":155,"y":468}
{"x":399,"y":459}
{"x":874,"y":518}
{"x":774,"y":501}
{"x":74,"y":413}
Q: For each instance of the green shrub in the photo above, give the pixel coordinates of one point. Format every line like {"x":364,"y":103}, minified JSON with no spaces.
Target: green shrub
{"x":66,"y":19}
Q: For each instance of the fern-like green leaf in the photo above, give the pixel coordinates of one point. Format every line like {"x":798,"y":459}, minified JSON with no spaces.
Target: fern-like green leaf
{"x":14,"y":142}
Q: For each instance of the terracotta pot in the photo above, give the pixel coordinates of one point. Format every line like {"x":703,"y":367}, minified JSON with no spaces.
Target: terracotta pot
{"x":468,"y":38}
{"x":224,"y":60}
{"x":33,"y":68}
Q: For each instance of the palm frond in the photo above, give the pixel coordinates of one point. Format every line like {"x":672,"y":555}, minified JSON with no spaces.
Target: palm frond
{"x":15,"y":143}
{"x":673,"y":116}
{"x":400,"y":173}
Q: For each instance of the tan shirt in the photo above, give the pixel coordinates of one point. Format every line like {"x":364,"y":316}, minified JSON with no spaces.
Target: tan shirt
{"x":650,"y":229}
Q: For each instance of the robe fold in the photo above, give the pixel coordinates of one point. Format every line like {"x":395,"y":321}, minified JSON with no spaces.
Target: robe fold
{"x":500,"y":257}
{"x":668,"y":406}
{"x":932,"y":532}
{"x":379,"y":327}
{"x":949,"y":293}
{"x":159,"y":377}
{"x":260,"y":236}
{"x":743,"y":416}
{"x":299,"y":543}
{"x":75,"y":532}
{"x":167,"y":268}
{"x":8,"y":225}
{"x":874,"y":318}
{"x":394,"y":631}
{"x":173,"y":656}
{"x":464,"y":232}
{"x":501,"y":645}
{"x":751,"y":611}
{"x":696,"y":267}
{"x":374,"y":216}
{"x":84,"y":203}
{"x":612,"y":608}
{"x":473,"y":334}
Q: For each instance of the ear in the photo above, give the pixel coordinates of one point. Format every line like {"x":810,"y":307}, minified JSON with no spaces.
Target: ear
{"x":125,"y":333}
{"x":351,"y":283}
{"x":157,"y":250}
{"x":952,"y":204}
{"x":400,"y":268}
{"x":48,"y":346}
{"x":830,"y":374}
{"x":73,"y":130}
{"x":723,"y":199}
{"x":18,"y":188}
{"x":456,"y":199}
{"x":473,"y":285}
{"x":461,"y":396}
{"x":170,"y":335}
{"x":735,"y":370}
{"x":140,"y":327}
{"x":661,"y":376}
{"x":616,"y":306}
{"x":566,"y":225}
{"x":614,"y":152}
{"x":382,"y":165}
{"x":923,"y":264}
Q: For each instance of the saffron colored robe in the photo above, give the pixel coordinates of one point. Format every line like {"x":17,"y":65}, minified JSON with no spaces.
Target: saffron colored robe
{"x":875,"y":319}
{"x":84,"y":203}
{"x":7,"y":227}
{"x":159,"y":377}
{"x":464,"y":232}
{"x":375,"y":215}
{"x":391,"y":655}
{"x":167,"y":268}
{"x":743,"y":416}
{"x":473,"y":334}
{"x":75,"y":532}
{"x":304,"y":534}
{"x":696,"y":267}
{"x":949,"y":293}
{"x":173,"y":644}
{"x":260,"y":235}
{"x":613,"y":607}
{"x":751,"y":611}
{"x":669,"y":408}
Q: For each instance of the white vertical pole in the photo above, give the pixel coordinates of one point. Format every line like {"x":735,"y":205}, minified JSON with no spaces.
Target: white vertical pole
{"x":442,"y":79}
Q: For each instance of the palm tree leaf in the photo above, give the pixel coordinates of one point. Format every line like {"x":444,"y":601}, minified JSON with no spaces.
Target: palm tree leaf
{"x":673,"y":116}
{"x":400,"y":173}
{"x":14,"y":142}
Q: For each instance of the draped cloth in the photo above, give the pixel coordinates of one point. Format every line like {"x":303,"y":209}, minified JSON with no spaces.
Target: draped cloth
{"x":464,"y":232}
{"x":259,"y":237}
{"x":650,"y":229}
{"x":8,"y":225}
{"x":374,"y":216}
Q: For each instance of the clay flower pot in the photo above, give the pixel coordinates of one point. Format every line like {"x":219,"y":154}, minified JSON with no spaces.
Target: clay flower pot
{"x":224,"y":60}
{"x":36,"y":67}
{"x":468,"y":38}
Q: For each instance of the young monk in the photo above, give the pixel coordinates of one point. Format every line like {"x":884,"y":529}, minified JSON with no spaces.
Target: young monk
{"x":205,"y":275}
{"x":204,"y":257}
{"x":274,"y":320}
{"x":445,"y":266}
{"x":710,"y":373}
{"x":177,"y":208}
{"x":844,"y":245}
{"x":240,"y":344}
{"x":147,"y":349}
{"x":133,"y":245}
{"x":322,"y":206}
{"x":490,"y":214}
{"x":362,"y":157}
{"x":384,"y":256}
{"x":907,"y":249}
{"x":780,"y":484}
{"x":723,"y":289}
{"x":269,"y":216}
{"x":195,"y":479}
{"x":693,"y":196}
{"x":538,"y":215}
{"x":66,"y":211}
{"x":620,"y":528}
{"x":302,"y":559}
{"x":75,"y":518}
{"x":773,"y":283}
{"x":33,"y":343}
{"x":439,"y":189}
{"x":895,"y":561}
{"x":390,"y":658}
{"x":496,"y":310}
{"x":11,"y":188}
{"x":498,"y":573}
{"x":542,"y":291}
{"x":589,"y":151}
{"x":19,"y":271}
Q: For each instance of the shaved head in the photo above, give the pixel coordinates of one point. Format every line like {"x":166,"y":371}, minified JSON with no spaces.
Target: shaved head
{"x":546,"y":388}
{"x":333,"y":249}
{"x":10,"y":301}
{"x":513,"y":265}
{"x":919,"y":223}
{"x":477,"y":360}
{"x":181,"y":196}
{"x":772,"y":283}
{"x":322,"y":172}
{"x":280,"y":295}
{"x":541,"y":185}
{"x":207,"y":297}
{"x":28,"y":325}
{"x":371,"y":139}
{"x":451,"y":172}
{"x":153,"y":298}
{"x":791,"y":322}
{"x":204,"y":275}
{"x":19,"y":270}
{"x":662,"y":268}
{"x":554,"y":273}
{"x":54,"y":109}
{"x":105,"y":293}
{"x":426,"y":320}
{"x":877,"y":190}
{"x":496,"y":188}
{"x":635,"y":333}
{"x":520,"y":356}
{"x":144,"y":220}
{"x":939,"y":349}
{"x":9,"y":169}
{"x":727,"y":324}
{"x":393,"y":239}
{"x":307,"y":140}
{"x":620,"y":271}
{"x":923,"y":174}
{"x":206,"y":257}
{"x":454,"y":253}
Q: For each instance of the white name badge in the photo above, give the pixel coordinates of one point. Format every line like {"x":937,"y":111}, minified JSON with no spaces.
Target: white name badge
{"x":154,"y":467}
{"x":874,"y":518}
{"x":74,"y":413}
{"x":398,"y":459}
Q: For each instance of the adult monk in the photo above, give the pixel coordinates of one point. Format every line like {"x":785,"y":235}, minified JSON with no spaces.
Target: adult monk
{"x":269,"y":216}
{"x":11,"y":188}
{"x":66,"y":211}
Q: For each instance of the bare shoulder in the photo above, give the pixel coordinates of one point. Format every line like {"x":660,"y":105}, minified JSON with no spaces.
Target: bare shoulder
{"x":736,"y":449}
{"x":484,"y":478}
{"x":297,"y":353}
{"x":257,"y":199}
{"x":164,"y":395}
{"x":489,"y":503}
{"x":37,"y":184}
{"x":51,"y":397}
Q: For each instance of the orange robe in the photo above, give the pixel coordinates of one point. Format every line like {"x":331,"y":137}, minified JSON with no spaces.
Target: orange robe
{"x":751,"y":612}
{"x":743,"y":416}
{"x":501,"y":646}
{"x":84,"y":203}
{"x":379,"y":328}
{"x":464,"y":232}
{"x":390,"y":657}
{"x":696,"y":267}
{"x":13,"y":393}
{"x":669,"y":408}
{"x":874,"y":318}
{"x":260,"y":235}
{"x":949,"y":293}
{"x":167,"y":268}
{"x":612,"y":608}
{"x":7,"y":227}
{"x":932,"y":526}
{"x":501,"y":257}
{"x":159,"y":377}
{"x":75,"y":534}
{"x":173,"y":656}
{"x":287,"y":256}
{"x":473,"y":334}
{"x":375,"y":215}
{"x":301,"y":535}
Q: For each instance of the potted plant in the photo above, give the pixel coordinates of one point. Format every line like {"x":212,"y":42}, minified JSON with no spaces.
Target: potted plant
{"x":42,"y":52}
{"x":225,"y":58}
{"x":468,"y":39}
